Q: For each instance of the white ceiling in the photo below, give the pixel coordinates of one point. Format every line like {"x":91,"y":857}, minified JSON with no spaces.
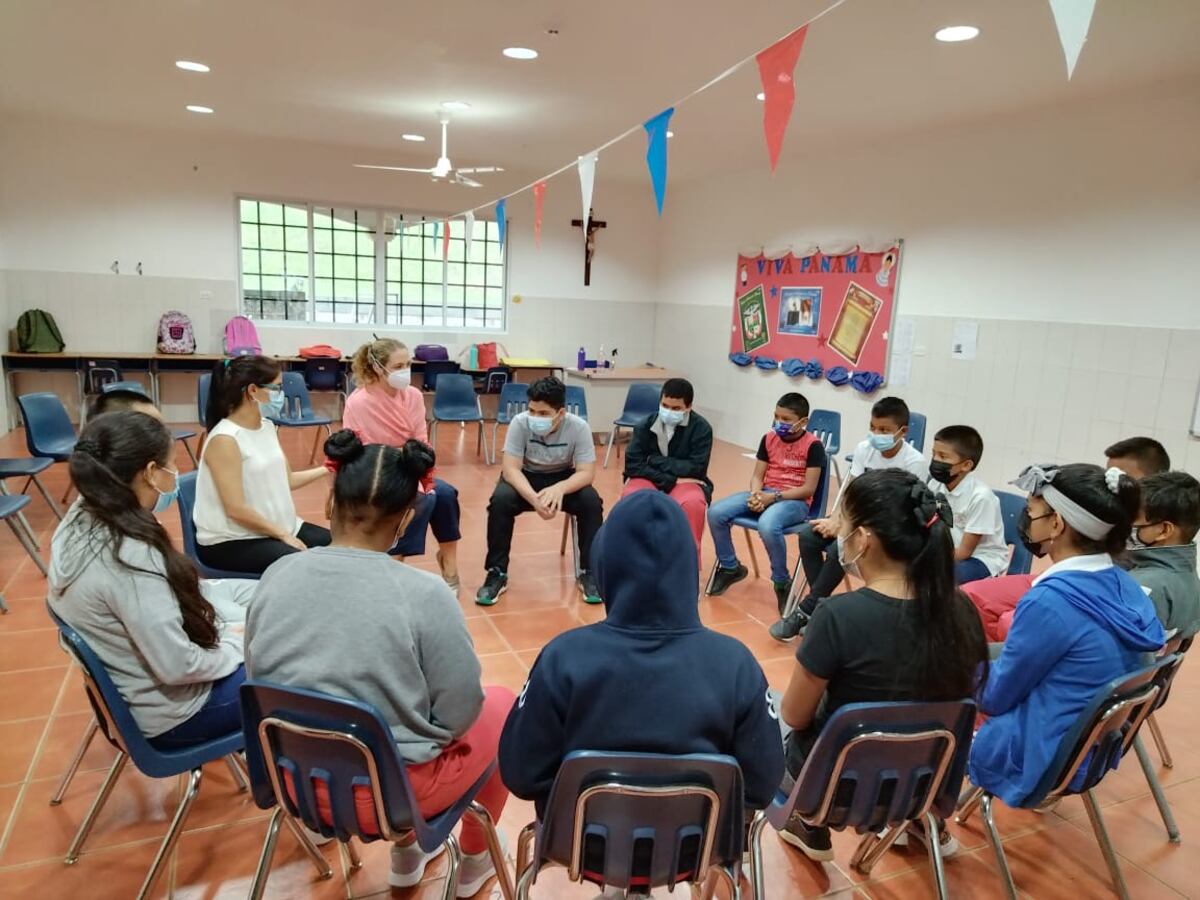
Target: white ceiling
{"x":360,"y":73}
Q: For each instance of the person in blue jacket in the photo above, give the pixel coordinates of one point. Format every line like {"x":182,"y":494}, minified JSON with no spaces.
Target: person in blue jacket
{"x":1083,"y":623}
{"x":650,"y":678}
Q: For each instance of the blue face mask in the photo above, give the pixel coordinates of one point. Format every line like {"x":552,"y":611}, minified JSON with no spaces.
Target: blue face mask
{"x":671,"y":416}
{"x":882,"y":442}
{"x":540,"y":424}
{"x":274,"y":404}
{"x":166,"y":498}
{"x":784,"y":429}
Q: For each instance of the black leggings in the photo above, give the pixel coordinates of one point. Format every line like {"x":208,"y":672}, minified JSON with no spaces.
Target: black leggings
{"x":254,"y":555}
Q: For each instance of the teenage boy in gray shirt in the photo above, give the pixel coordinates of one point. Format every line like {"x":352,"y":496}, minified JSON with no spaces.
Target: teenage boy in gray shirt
{"x":548,"y":467}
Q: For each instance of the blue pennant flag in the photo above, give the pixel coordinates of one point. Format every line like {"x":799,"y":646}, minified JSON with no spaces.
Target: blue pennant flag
{"x":501,"y":207}
{"x":656,"y":153}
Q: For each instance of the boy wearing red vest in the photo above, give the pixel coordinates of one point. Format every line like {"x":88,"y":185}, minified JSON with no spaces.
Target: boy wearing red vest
{"x":790,"y":461}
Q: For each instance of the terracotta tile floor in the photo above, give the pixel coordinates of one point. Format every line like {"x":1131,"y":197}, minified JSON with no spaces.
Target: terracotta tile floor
{"x":43,"y":712}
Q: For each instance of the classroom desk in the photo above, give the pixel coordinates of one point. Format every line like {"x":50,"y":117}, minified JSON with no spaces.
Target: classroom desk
{"x":606,"y":390}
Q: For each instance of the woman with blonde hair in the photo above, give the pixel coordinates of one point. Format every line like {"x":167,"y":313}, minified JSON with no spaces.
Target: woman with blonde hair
{"x":386,"y":409}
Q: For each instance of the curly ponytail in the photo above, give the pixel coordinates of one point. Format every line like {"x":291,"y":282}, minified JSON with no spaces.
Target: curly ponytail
{"x":371,"y":357}
{"x":112,"y":450}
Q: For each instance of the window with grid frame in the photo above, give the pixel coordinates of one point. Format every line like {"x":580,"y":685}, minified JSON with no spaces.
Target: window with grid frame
{"x":304,"y":262}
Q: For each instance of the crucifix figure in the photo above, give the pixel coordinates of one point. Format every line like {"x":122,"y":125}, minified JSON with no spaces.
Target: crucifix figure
{"x":589,"y":242}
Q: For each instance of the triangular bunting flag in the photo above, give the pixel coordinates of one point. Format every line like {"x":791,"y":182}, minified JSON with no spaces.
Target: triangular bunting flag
{"x":437,"y":233}
{"x":539,"y":196}
{"x":1072,"y":18}
{"x":470,"y":226}
{"x":445,"y":238}
{"x":775,"y":67}
{"x":587,"y":178}
{"x":656,"y":153}
{"x":501,"y":224}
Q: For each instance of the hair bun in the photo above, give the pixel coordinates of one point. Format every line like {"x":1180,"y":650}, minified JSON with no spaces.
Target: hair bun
{"x":417,"y":457}
{"x":1112,"y":478}
{"x":343,"y":446}
{"x":929,"y":508}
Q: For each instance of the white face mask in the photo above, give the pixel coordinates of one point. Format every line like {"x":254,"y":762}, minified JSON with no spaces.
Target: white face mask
{"x":399,"y":379}
{"x":849,"y":566}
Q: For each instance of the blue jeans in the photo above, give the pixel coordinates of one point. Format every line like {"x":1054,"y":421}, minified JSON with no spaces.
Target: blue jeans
{"x":970,"y":569}
{"x":438,"y":511}
{"x":220,"y":715}
{"x":771,"y":524}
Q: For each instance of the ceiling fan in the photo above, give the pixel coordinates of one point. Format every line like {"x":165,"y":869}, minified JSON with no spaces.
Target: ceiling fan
{"x":444,"y":168}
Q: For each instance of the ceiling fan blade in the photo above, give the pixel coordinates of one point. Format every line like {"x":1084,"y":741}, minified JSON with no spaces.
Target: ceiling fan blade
{"x":481,"y":170}
{"x":392,"y":168}
{"x":469,"y":182}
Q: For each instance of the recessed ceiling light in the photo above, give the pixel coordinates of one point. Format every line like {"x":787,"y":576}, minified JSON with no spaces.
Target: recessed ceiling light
{"x":206,"y":110}
{"x":760,"y":96}
{"x":190,"y":66}
{"x":520,"y":53}
{"x":455,"y":104}
{"x":952,"y":34}
{"x":670,"y":134}
{"x":412,"y":137}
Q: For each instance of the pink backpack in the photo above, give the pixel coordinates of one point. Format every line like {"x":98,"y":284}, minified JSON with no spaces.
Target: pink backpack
{"x":241,"y":338}
{"x":175,"y":333}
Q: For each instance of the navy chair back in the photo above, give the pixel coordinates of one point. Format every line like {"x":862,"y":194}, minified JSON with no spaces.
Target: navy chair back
{"x":455,"y":399}
{"x":640,"y":402}
{"x":48,"y":429}
{"x":297,"y":403}
{"x":877,"y":765}
{"x":323,"y":374}
{"x":495,"y":379}
{"x":916,"y":430}
{"x":436,"y":368}
{"x":643,"y":819}
{"x":1011,"y":507}
{"x":135,"y":386}
{"x":827,"y":425}
{"x":202,"y":387}
{"x":99,"y":372}
{"x":187,"y":505}
{"x":315,"y":737}
{"x":577,"y":401}
{"x":514,"y":398}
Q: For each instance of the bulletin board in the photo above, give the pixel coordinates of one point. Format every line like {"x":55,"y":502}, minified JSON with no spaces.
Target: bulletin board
{"x":836,"y":309}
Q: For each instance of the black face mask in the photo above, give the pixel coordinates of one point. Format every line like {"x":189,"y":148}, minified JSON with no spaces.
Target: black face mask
{"x":941,"y":471}
{"x":1023,"y":523}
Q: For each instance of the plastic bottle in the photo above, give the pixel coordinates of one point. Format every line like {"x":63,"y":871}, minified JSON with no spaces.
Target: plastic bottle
{"x":601,"y":360}
{"x":581,"y":359}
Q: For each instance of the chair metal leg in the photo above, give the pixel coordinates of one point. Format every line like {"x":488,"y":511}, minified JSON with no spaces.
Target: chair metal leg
{"x":1160,"y":742}
{"x":524,"y":854}
{"x":758,"y":888}
{"x":239,"y":777}
{"x":935,"y":854}
{"x":67,"y":494}
{"x":967,"y":804}
{"x":75,"y":761}
{"x":495,"y":438}
{"x":872,"y":847}
{"x":612,"y":436}
{"x":562,"y":549}
{"x":323,"y":868}
{"x":85,"y":827}
{"x":29,"y":548}
{"x":3,"y":605}
{"x":433,"y":430}
{"x":1106,"y":847}
{"x":21,"y":516}
{"x":712,"y":573}
{"x":495,"y":848}
{"x":525,"y":881}
{"x":350,"y":856}
{"x":453,"y":861}
{"x":191,"y":454}
{"x":172,"y":838}
{"x":1160,"y":798}
{"x":263,"y":872}
{"x":750,"y":550}
{"x":985,"y":805}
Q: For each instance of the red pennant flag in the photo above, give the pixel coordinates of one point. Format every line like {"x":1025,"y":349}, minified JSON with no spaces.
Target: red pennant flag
{"x":775,"y":66}
{"x":445,"y":239}
{"x":539,"y":195}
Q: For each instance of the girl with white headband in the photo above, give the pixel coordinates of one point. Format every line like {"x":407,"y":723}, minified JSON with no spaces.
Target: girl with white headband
{"x":1084,"y":622}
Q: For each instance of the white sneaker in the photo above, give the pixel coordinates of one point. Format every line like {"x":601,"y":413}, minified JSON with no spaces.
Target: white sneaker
{"x":409,"y":862}
{"x":948,"y":842}
{"x":477,"y":869}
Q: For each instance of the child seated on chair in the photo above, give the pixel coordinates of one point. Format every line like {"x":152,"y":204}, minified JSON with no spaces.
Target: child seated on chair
{"x":907,"y":634}
{"x":1084,"y":623}
{"x":786,"y":475}
{"x":980,"y":550}
{"x":548,"y":466}
{"x":650,"y":678}
{"x":349,"y":621}
{"x":885,"y":447}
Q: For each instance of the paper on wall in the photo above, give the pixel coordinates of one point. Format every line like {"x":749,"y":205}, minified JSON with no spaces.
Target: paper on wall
{"x":902,"y":342}
{"x":965,"y":340}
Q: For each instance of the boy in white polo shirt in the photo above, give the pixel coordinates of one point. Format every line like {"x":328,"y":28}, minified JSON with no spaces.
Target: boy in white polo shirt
{"x":979,"y":547}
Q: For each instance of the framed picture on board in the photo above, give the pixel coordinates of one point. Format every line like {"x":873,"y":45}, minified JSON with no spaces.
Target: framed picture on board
{"x":855,"y":319}
{"x":799,"y":310}
{"x":752,"y":315}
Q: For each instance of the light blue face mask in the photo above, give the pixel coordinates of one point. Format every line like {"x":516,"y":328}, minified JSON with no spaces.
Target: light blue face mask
{"x":272,"y":408}
{"x":882,"y":442}
{"x":540,"y":424}
{"x":166,"y":498}
{"x":671,"y":416}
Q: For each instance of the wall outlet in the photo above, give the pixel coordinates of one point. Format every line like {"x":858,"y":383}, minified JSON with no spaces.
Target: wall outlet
{"x":205,"y":296}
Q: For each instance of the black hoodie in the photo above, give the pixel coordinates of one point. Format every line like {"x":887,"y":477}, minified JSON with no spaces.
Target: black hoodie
{"x":650,"y":678}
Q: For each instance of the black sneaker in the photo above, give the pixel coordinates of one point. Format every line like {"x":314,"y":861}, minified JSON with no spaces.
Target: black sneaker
{"x":786,"y":629}
{"x":495,"y":585}
{"x":724,"y":579}
{"x":812,"y":842}
{"x":783,"y":590}
{"x":587,"y":588}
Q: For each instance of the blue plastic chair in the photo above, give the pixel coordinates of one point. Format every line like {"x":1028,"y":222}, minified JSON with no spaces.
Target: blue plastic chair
{"x":179,"y":434}
{"x":639,"y":820}
{"x":11,"y":511}
{"x":344,"y":744}
{"x":323,"y":374}
{"x":827,"y":425}
{"x":434,"y":369}
{"x":916,"y":430}
{"x":640,"y":403}
{"x":29,"y":468}
{"x":1179,"y":647}
{"x":187,"y":506}
{"x":577,"y":401}
{"x":298,"y":411}
{"x":514,"y":399}
{"x":1011,"y":507}
{"x":119,"y":729}
{"x":879,"y":767}
{"x":1104,"y":731}
{"x":455,"y":400}
{"x":48,"y":430}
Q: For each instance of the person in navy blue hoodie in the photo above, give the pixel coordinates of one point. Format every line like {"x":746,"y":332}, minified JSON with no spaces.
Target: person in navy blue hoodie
{"x":648,"y":679}
{"x":1084,"y":623}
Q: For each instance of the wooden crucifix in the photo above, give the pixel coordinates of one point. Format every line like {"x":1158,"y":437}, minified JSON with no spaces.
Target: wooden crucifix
{"x":589,"y":242}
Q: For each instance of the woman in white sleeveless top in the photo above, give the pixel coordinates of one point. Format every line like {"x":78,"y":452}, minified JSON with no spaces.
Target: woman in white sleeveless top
{"x":245,"y":516}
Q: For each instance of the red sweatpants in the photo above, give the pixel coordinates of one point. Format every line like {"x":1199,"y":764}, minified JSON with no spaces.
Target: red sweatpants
{"x":440,"y":782}
{"x":690,"y":498}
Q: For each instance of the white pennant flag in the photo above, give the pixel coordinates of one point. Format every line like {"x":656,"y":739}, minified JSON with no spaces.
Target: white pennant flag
{"x":470,"y":220}
{"x":587,"y":176}
{"x":1072,"y":18}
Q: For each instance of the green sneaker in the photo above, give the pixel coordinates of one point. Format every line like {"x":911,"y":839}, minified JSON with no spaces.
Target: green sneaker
{"x":587,"y":587}
{"x":495,"y":585}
